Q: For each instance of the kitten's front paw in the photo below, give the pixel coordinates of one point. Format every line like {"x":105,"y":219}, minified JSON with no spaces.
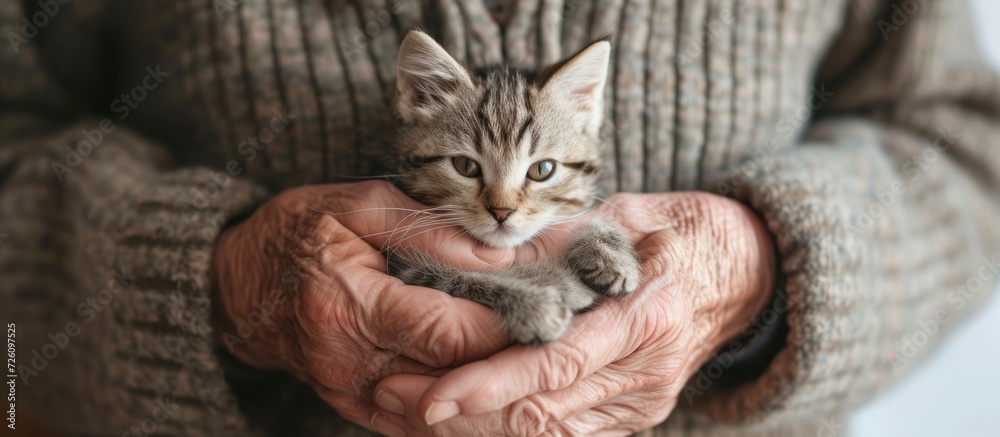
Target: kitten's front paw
{"x":605,"y":260}
{"x":539,"y":323}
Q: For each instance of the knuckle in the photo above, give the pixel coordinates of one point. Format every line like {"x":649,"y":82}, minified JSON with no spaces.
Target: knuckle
{"x":646,"y":418}
{"x":586,"y":423}
{"x":528,"y":417}
{"x":662,"y":384}
{"x":316,"y":311}
{"x":661,"y":381}
{"x":565,"y":363}
{"x":320,"y":370}
{"x":441,"y":339}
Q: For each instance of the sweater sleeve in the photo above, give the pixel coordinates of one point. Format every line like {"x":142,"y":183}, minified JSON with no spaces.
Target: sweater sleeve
{"x":105,"y":248}
{"x":885,"y":215}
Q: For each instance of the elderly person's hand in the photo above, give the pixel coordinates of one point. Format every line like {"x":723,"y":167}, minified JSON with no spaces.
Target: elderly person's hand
{"x":300,"y":287}
{"x":708,"y":268}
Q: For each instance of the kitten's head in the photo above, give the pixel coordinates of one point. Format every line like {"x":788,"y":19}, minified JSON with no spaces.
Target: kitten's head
{"x":511,"y":152}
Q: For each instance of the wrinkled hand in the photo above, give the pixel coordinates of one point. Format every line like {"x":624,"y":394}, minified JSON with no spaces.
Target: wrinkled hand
{"x":300,"y":287}
{"x":708,"y":270}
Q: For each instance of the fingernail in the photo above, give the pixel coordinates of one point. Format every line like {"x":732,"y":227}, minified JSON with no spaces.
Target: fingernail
{"x":441,"y":411}
{"x":386,"y":427}
{"x":390,"y":401}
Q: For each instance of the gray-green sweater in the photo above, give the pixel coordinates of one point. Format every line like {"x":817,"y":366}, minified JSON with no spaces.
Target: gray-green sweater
{"x":865,"y":133}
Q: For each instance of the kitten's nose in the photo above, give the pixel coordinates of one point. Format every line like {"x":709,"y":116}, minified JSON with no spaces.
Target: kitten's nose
{"x":500,"y":214}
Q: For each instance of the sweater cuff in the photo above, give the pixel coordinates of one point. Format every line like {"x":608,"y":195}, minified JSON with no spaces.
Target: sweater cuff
{"x":170,"y":349}
{"x":132,"y":244}
{"x":799,"y":197}
{"x":748,"y":357}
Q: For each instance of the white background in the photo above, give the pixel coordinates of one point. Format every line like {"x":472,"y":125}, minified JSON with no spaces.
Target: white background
{"x":956,"y":392}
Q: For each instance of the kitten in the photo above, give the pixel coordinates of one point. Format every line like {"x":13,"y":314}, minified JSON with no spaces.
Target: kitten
{"x":509,"y":153}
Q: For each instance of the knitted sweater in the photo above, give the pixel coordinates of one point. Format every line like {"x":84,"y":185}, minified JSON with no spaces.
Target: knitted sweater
{"x":864,"y":133}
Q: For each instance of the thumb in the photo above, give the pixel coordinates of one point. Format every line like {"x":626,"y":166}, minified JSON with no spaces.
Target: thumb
{"x":397,"y":397}
{"x":399,"y":394}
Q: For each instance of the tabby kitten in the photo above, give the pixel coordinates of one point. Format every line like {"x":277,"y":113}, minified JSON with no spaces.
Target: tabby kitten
{"x":510,"y":153}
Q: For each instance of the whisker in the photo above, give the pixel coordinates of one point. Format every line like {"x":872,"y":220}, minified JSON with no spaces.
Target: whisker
{"x":432,"y":214}
{"x":446,"y":208}
{"x":569,"y":218}
{"x":456,"y":235}
{"x":407,"y":227}
{"x":398,"y":244}
{"x":383,"y":176}
{"x":431,"y":219}
{"x":381,"y":233}
{"x":421,"y":229}
{"x":417,"y":222}
{"x":604,"y":201}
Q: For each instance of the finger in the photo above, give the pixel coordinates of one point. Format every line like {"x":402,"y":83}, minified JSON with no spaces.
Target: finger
{"x":349,"y":407}
{"x":612,"y":331}
{"x":426,"y":325}
{"x":456,"y":331}
{"x":533,"y":415}
{"x":432,"y":327}
{"x":385,"y":421}
{"x":397,"y":396}
{"x":617,"y":418}
{"x":367,"y":415}
{"x":520,"y":371}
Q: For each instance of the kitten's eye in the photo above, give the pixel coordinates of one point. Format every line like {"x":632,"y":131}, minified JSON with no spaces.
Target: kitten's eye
{"x":465,"y":166}
{"x":542,"y":170}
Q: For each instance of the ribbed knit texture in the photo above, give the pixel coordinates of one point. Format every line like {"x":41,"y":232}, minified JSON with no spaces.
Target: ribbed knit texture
{"x":710,"y":95}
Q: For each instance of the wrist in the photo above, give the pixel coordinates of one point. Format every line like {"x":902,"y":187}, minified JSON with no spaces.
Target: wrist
{"x":220,"y":279}
{"x":747,"y":283}
{"x":244,"y":315}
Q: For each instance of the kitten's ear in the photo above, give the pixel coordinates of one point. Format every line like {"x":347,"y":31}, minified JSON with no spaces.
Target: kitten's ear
{"x":426,"y":76}
{"x":579,"y":83}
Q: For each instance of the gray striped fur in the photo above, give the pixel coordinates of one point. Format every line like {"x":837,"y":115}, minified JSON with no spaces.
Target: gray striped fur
{"x":507,"y":120}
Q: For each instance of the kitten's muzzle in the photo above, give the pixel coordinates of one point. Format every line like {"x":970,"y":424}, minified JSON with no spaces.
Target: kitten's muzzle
{"x":500,"y":214}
